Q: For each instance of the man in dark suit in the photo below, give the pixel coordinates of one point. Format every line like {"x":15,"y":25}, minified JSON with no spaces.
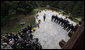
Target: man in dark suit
{"x":52,"y":17}
{"x":44,"y":17}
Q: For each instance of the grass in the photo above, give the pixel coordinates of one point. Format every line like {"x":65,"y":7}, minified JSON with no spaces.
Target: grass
{"x":14,"y":26}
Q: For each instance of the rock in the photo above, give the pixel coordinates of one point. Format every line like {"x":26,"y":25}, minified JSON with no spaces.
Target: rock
{"x":22,"y":23}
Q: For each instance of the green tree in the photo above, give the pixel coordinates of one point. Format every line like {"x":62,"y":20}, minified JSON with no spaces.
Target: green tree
{"x":79,"y":7}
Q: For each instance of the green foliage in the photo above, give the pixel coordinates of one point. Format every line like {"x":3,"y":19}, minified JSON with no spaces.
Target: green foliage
{"x":10,"y":9}
{"x":78,"y":10}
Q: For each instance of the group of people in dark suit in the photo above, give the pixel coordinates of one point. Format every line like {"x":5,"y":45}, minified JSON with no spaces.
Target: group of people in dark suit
{"x":63,"y":22}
